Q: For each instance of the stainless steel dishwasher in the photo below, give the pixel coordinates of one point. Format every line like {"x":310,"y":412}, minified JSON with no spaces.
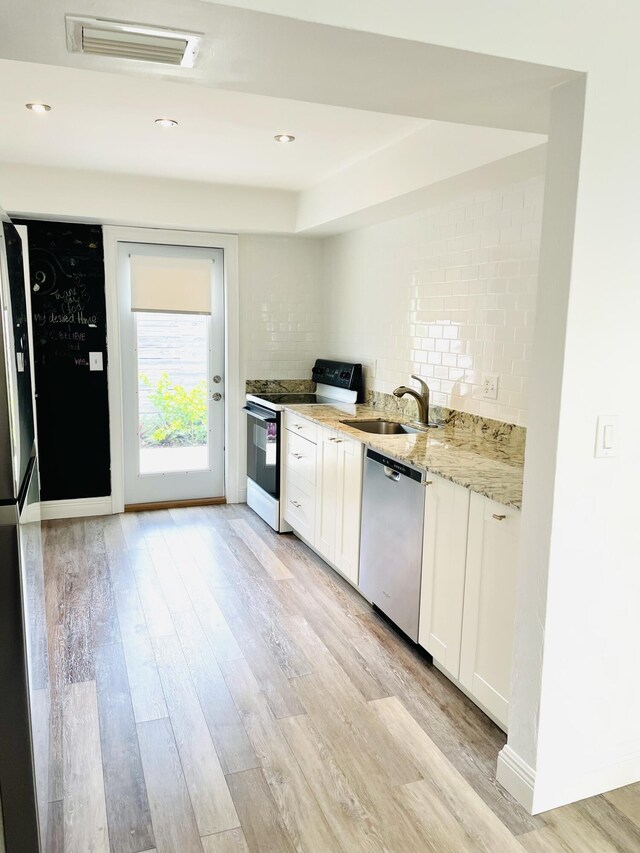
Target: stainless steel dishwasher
{"x":391,"y":542}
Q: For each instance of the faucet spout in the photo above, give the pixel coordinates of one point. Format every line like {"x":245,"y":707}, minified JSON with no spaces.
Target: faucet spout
{"x":422,"y":399}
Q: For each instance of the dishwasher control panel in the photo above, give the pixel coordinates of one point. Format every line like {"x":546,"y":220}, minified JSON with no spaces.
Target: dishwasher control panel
{"x":388,"y":462}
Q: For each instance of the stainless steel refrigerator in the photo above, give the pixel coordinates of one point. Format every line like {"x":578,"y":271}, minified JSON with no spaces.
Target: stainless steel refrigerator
{"x":24,"y":676}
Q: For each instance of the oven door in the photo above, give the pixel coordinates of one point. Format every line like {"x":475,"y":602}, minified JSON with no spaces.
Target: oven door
{"x":263,"y":451}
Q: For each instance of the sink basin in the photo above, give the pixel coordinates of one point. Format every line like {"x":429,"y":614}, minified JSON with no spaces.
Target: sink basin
{"x":381,"y":427}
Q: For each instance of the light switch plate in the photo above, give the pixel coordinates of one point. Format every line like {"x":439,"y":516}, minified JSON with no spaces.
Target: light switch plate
{"x":95,"y":361}
{"x":490,"y":382}
{"x":606,"y":437}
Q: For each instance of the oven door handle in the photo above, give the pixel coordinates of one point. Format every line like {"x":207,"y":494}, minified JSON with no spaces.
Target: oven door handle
{"x":259,"y":416}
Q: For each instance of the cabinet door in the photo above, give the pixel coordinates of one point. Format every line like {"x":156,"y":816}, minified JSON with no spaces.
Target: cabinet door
{"x":348,"y":506}
{"x":326,"y":494}
{"x":444,"y":555}
{"x":489,"y":604}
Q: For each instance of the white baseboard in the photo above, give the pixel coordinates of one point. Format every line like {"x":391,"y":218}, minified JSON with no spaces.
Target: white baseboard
{"x":516,"y":776}
{"x":558,"y":788}
{"x":76,"y":508}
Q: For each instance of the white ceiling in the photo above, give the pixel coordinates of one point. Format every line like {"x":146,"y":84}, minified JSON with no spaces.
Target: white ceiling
{"x":345,"y":95}
{"x":106,"y":122}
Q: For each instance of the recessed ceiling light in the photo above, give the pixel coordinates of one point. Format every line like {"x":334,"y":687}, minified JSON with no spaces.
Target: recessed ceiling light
{"x":38,"y":108}
{"x":284,"y":137}
{"x":166,"y":122}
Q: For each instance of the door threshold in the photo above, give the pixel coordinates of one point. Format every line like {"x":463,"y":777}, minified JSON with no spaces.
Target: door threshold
{"x":149,"y":507}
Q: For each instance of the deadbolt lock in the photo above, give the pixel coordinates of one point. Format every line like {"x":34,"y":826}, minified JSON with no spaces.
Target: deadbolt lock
{"x":217,"y":397}
{"x":217,"y":379}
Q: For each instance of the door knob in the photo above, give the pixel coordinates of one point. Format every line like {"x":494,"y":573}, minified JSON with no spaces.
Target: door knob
{"x":216,"y":397}
{"x":217,"y":379}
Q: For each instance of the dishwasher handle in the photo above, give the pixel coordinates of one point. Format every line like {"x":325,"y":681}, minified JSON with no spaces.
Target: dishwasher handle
{"x":390,"y":473}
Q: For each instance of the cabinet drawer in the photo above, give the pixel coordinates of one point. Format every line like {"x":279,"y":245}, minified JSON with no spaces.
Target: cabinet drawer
{"x":300,"y":507}
{"x":301,"y":426}
{"x":301,"y":456}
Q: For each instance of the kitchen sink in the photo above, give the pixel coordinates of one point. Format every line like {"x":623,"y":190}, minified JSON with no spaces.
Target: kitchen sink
{"x":381,"y":427}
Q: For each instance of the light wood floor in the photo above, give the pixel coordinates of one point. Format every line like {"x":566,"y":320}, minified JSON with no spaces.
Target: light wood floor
{"x":218,"y":689}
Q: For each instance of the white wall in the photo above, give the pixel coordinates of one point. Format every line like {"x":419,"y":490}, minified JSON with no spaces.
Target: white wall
{"x":429,"y":156}
{"x":281,"y":304}
{"x":447,"y":293}
{"x":115,"y":199}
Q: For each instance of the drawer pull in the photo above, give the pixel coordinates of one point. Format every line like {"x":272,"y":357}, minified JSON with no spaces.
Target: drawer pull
{"x":428,"y":483}
{"x":499,"y":517}
{"x":299,"y":426}
{"x":298,"y":455}
{"x":337,"y":440}
{"x":296,"y":504}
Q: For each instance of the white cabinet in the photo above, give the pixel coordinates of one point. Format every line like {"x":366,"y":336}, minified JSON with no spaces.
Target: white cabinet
{"x":339,"y":500}
{"x":323,"y":491}
{"x":299,"y":475}
{"x":444,"y":555}
{"x":326,"y":494}
{"x":467,"y":599}
{"x":489,"y":604}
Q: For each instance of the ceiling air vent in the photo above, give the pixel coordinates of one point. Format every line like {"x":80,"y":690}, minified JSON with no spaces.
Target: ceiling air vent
{"x":100,"y":37}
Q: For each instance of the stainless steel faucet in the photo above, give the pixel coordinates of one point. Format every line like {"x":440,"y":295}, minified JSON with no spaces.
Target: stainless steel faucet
{"x":422,"y":399}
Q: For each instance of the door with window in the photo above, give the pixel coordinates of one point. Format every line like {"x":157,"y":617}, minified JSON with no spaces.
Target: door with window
{"x":172,"y":340}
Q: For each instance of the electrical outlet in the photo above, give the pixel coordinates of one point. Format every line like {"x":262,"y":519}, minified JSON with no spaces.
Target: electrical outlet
{"x":95,"y":361}
{"x":490,"y":382}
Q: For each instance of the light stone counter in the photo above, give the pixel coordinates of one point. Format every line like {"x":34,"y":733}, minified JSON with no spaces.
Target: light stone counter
{"x":482,"y":464}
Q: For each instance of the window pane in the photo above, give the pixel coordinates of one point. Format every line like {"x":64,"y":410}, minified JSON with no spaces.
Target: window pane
{"x":173,"y":416}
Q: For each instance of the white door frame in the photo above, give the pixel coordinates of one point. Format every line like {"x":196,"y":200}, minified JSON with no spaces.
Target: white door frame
{"x":113,"y":235}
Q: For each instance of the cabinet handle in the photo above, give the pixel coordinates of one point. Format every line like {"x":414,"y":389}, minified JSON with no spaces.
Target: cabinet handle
{"x":296,"y":504}
{"x":299,"y":426}
{"x":338,"y":440}
{"x":428,"y":483}
{"x":499,"y":517}
{"x":298,"y":455}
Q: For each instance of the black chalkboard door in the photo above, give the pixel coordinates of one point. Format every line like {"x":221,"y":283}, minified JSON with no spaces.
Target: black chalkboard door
{"x":69,"y":322}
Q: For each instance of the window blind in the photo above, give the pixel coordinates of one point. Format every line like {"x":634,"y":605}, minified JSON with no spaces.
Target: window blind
{"x":170,"y":285}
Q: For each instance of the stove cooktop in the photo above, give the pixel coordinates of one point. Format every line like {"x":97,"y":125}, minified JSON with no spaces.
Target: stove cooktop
{"x":336,"y":381}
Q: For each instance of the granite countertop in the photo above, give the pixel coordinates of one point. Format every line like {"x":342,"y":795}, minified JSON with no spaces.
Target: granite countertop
{"x":482,"y":464}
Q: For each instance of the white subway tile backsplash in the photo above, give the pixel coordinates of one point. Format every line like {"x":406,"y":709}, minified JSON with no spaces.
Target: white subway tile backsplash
{"x":281,"y":300}
{"x":447,"y":293}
